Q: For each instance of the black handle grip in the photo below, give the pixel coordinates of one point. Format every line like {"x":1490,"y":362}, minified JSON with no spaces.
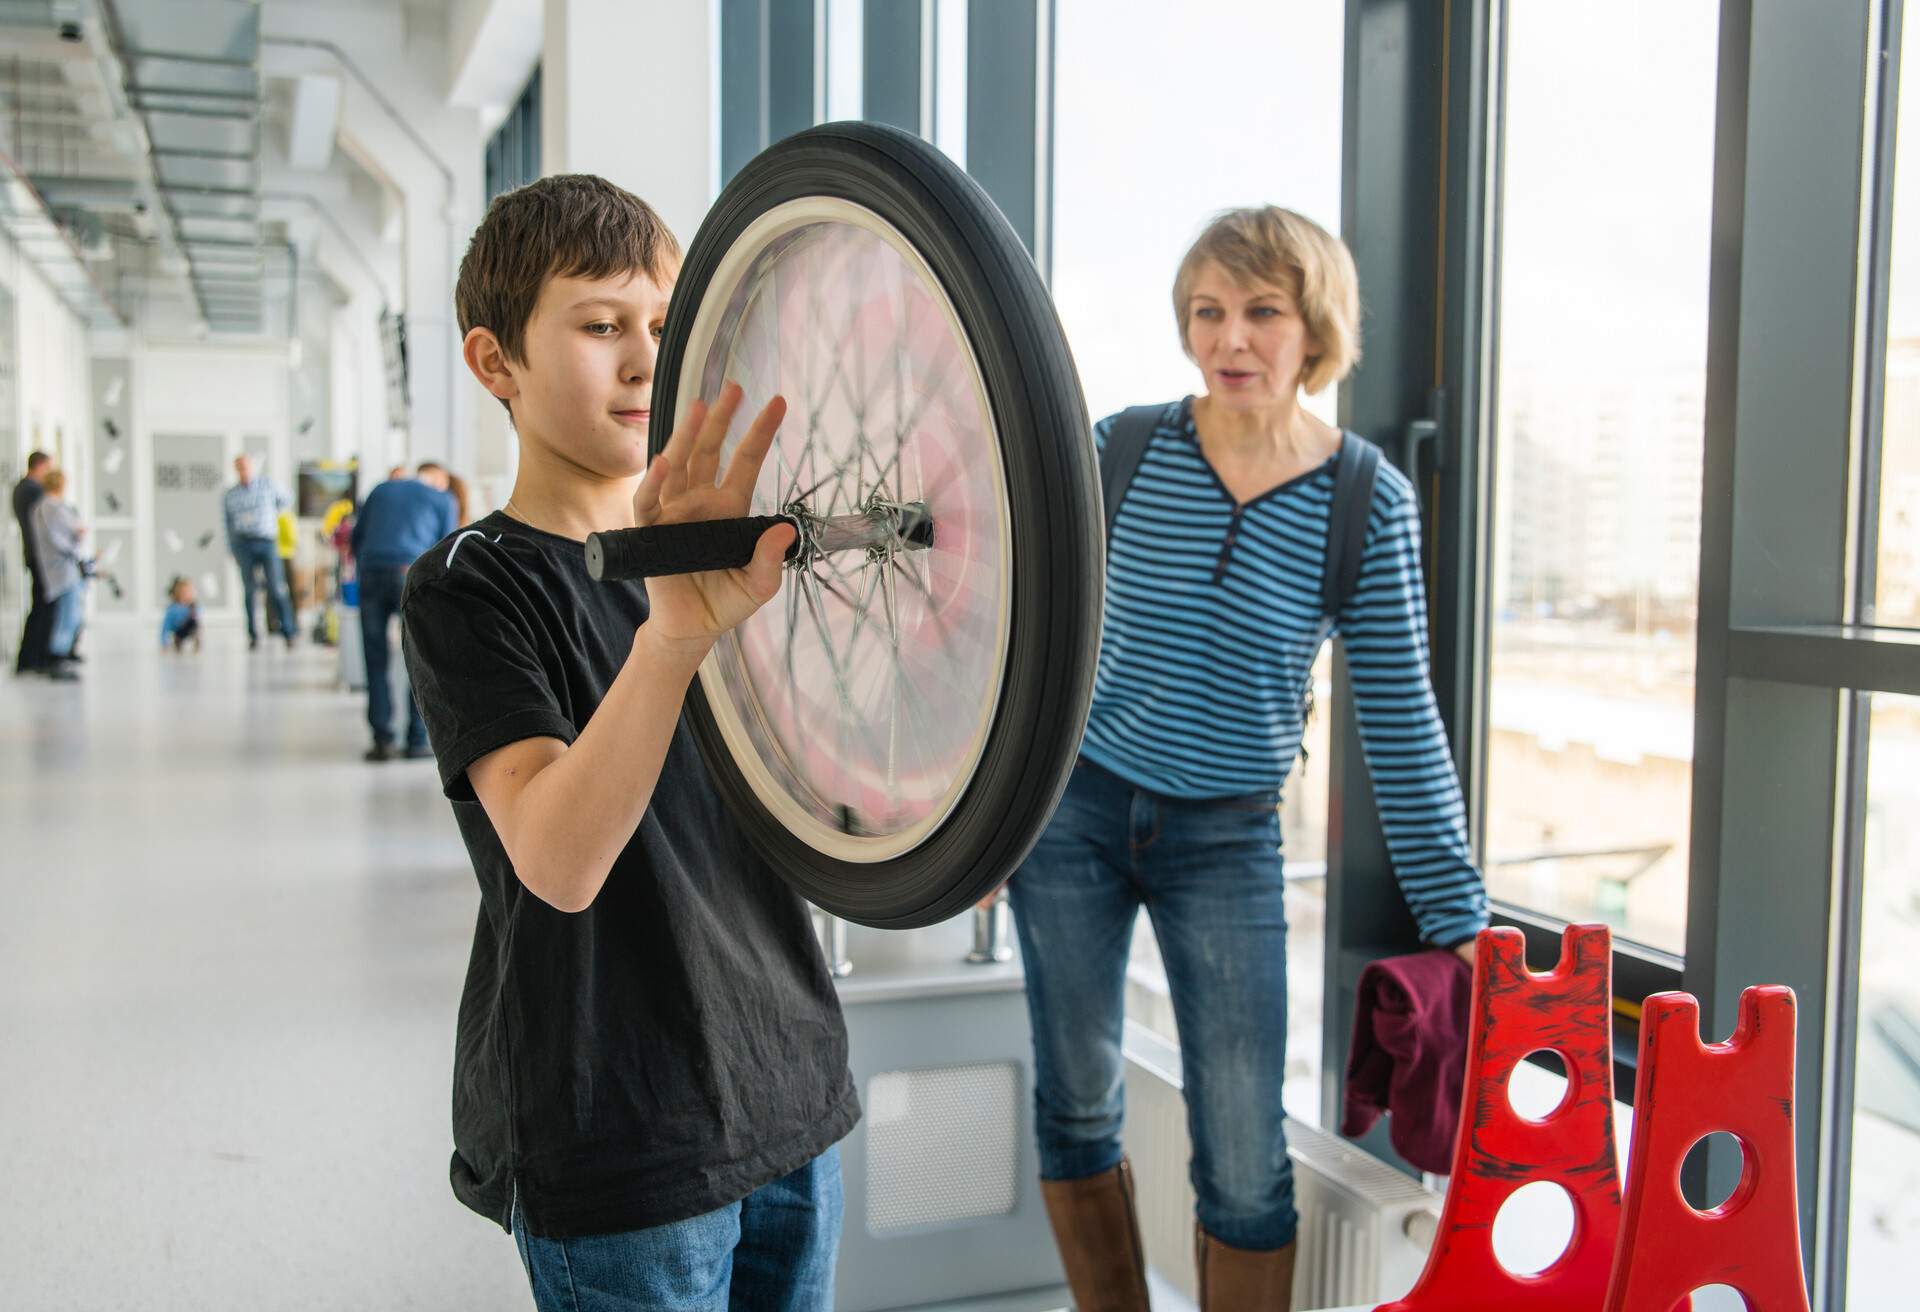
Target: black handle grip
{"x":640,"y":553}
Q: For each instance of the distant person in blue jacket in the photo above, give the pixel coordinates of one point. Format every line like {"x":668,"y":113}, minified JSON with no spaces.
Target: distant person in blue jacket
{"x":181,"y":623}
{"x":400,"y":519}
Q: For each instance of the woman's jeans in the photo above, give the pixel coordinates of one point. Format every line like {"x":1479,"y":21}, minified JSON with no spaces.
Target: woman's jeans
{"x":69,"y":611}
{"x":1209,"y":875}
{"x":772,"y":1250}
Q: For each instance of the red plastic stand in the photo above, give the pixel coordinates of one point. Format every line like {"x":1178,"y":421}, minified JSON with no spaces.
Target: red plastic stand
{"x":1516,"y":1012}
{"x":1687,"y":1090}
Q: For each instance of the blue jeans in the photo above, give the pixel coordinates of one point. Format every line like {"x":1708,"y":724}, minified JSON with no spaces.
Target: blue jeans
{"x":380,"y":587}
{"x":263,"y":554}
{"x":1209,"y":876}
{"x":69,"y":610}
{"x":773,"y":1251}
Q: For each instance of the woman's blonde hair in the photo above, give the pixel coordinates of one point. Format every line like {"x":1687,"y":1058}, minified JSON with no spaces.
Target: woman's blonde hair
{"x":55,"y":481}
{"x":1267,"y":244}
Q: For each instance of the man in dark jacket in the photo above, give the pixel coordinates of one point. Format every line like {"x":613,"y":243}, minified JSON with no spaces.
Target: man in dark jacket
{"x":400,"y":519}
{"x":34,"y":657}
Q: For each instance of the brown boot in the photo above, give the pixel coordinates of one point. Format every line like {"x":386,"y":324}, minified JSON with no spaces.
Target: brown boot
{"x":1241,"y":1279}
{"x":1099,"y":1240}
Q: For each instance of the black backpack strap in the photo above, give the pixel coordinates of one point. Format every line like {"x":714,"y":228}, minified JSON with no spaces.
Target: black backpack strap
{"x":1120,"y":458}
{"x":1347,"y":517}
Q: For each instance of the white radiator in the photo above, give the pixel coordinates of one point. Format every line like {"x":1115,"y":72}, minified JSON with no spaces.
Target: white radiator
{"x":1364,"y":1227}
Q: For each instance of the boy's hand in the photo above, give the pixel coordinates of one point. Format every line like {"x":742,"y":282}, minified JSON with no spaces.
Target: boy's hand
{"x":684,"y":484}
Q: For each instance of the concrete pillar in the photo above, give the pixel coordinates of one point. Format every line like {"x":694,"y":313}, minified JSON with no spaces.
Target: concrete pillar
{"x":630,"y":92}
{"x":395,"y":122}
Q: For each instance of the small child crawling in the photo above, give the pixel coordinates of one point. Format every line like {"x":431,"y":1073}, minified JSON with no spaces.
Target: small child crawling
{"x":181,"y":623}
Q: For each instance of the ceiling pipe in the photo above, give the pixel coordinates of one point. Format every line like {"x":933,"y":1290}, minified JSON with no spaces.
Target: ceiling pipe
{"x":106,"y":52}
{"x":387,"y":106}
{"x":12,"y":173}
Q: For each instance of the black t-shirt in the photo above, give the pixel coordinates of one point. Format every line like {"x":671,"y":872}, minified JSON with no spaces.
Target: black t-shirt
{"x":26,"y":495}
{"x":679,"y":1043}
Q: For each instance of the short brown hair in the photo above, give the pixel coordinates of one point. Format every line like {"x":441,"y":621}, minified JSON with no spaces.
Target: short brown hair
{"x":35,"y":459}
{"x":571,"y":225}
{"x":55,"y":481}
{"x":1268,"y":244}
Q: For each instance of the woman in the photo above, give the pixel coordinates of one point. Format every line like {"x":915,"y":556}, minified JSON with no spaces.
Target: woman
{"x":57,"y":534}
{"x":1214,"y":618}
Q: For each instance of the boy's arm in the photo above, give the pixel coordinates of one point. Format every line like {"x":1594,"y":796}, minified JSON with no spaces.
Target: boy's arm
{"x":564,"y":813}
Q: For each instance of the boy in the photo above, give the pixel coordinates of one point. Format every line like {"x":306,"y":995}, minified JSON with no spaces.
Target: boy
{"x":650,"y":1070}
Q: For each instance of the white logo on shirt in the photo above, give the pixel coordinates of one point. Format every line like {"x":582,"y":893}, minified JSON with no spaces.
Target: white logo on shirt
{"x":470,"y":533}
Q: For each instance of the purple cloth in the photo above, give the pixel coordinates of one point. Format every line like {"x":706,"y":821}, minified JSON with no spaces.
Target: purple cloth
{"x":1409,"y":1054}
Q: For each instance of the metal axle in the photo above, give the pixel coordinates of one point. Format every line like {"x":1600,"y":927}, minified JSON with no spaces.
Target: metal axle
{"x":882,"y":526}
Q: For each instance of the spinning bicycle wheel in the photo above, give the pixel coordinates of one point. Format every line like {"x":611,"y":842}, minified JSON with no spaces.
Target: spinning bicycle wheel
{"x":895,"y":728}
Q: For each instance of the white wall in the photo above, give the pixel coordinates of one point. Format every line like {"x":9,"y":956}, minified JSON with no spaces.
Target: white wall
{"x":629,"y":91}
{"x":492,"y":47}
{"x":197,"y":387}
{"x":407,"y":62}
{"x":51,"y":408}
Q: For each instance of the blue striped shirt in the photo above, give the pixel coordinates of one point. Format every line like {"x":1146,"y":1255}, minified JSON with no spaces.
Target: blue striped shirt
{"x":253,"y":509}
{"x":1209,"y":643}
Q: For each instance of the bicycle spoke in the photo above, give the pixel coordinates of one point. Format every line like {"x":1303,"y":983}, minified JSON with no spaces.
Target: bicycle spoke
{"x":869,"y":672}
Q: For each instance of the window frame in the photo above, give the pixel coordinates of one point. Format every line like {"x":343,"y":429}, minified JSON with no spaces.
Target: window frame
{"x":511,"y":157}
{"x":1795,"y":382}
{"x":1640,"y":969}
{"x":1009,"y":92}
{"x":1790,"y":468}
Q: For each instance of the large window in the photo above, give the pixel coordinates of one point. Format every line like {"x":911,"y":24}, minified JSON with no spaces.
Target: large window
{"x":1605,"y":202}
{"x":513,"y":151}
{"x":787,"y":64}
{"x":1158,"y":123}
{"x":1884,"y":1219}
{"x":1897,"y":580}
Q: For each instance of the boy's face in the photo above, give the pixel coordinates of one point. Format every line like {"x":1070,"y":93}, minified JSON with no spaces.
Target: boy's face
{"x":584,"y":389}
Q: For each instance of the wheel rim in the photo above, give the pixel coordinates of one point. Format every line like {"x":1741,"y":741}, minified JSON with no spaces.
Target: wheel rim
{"x":857,"y":704}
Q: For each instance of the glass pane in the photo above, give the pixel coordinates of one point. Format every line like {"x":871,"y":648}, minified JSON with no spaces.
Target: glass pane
{"x":1897,"y":590}
{"x":846,"y":48}
{"x":1116,"y":244}
{"x":950,"y":79}
{"x":1119,"y":227}
{"x":1598,"y":436}
{"x":1884,"y":1218}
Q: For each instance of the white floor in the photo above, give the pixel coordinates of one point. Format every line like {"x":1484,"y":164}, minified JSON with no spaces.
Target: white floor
{"x":230,"y":955}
